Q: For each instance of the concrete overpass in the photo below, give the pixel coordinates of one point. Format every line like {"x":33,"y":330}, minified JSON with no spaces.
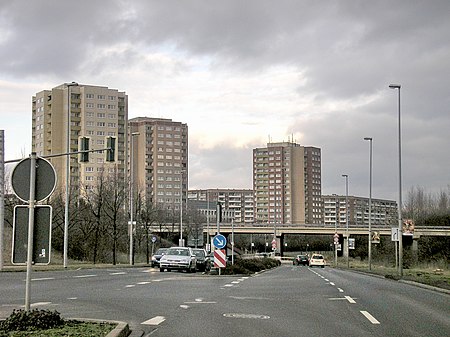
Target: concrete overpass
{"x":308,"y":229}
{"x":283,"y":229}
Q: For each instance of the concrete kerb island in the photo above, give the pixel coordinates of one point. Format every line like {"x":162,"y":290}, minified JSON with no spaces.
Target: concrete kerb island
{"x":121,"y":330}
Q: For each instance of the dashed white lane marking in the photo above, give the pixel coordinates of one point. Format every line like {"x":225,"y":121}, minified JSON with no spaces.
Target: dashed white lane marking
{"x":42,"y":279}
{"x":155,"y":320}
{"x":85,"y":276}
{"x":194,"y":302}
{"x":348,"y":298}
{"x":183,"y":306}
{"x":118,"y":273}
{"x":72,"y":298}
{"x":130,"y":286}
{"x":340,"y":290}
{"x":144,"y":282}
{"x":39,"y":303}
{"x":372,"y":319}
{"x":228,"y":285}
{"x":326,"y":280}
{"x":331,"y":283}
{"x":236,"y":282}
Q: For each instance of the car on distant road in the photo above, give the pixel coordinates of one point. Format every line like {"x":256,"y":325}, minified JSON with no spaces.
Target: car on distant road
{"x":203,"y":262}
{"x":301,"y":260}
{"x":157,"y":256}
{"x":317,"y":260}
{"x":178,"y":258}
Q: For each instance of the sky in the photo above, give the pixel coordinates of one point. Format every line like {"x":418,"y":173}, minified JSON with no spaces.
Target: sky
{"x":245,"y":73}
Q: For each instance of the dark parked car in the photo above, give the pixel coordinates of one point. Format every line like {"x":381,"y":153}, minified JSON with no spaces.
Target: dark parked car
{"x":157,"y":256}
{"x":203,"y":261}
{"x":301,"y":260}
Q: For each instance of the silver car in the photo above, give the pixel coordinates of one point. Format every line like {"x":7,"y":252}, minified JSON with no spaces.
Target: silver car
{"x":180,"y":258}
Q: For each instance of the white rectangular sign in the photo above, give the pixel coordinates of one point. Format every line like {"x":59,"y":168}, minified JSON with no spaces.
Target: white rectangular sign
{"x":394,"y":234}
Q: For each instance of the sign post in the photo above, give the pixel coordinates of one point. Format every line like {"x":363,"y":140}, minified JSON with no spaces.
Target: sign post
{"x":33,"y":179}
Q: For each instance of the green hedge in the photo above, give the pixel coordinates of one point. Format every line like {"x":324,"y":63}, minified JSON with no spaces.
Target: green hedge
{"x":250,"y":266}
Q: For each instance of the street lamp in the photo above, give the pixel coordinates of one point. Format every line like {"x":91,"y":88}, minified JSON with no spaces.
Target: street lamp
{"x":370,"y":203}
{"x":66,"y":205}
{"x":346,"y":217}
{"x":399,"y":206}
{"x":133,"y":134}
{"x":181,"y":243}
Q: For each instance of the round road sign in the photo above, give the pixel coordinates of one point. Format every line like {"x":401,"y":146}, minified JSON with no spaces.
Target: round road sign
{"x":45,"y":179}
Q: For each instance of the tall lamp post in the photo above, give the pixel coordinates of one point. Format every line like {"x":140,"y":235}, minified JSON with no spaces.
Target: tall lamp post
{"x":370,"y":203}
{"x":133,"y":134}
{"x":399,"y":206}
{"x":66,"y":205}
{"x":181,"y":242}
{"x":346,"y":217}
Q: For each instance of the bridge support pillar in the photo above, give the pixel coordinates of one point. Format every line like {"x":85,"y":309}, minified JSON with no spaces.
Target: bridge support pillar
{"x":344,"y":248}
{"x":415,"y":250}
{"x":280,"y":244}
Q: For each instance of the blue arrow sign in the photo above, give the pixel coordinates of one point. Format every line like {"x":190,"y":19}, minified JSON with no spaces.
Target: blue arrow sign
{"x":219,"y":241}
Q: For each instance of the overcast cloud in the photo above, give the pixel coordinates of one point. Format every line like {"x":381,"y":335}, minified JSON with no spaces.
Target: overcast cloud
{"x":242,"y":72}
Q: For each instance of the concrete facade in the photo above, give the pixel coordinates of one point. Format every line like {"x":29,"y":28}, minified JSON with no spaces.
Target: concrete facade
{"x":287,"y":184}
{"x":96,"y":112}
{"x":160,"y":160}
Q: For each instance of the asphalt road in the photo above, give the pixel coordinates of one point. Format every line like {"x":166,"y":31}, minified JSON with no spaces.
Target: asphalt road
{"x":287,"y":301}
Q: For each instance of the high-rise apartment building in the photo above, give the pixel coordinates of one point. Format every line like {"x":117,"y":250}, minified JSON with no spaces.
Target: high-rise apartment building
{"x":287,"y":184}
{"x":68,"y":112}
{"x":159,"y":155}
{"x":384,"y":212}
{"x":237,"y":204}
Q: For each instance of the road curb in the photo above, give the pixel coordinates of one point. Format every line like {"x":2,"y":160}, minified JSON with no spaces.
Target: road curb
{"x":426,"y":286}
{"x":413,"y":283}
{"x":121,"y":330}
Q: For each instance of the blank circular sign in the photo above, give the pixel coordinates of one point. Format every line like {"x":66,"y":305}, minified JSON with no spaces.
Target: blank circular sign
{"x":45,"y":179}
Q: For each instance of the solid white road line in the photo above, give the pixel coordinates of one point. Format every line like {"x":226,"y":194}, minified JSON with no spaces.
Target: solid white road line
{"x":372,"y":319}
{"x":155,"y":320}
